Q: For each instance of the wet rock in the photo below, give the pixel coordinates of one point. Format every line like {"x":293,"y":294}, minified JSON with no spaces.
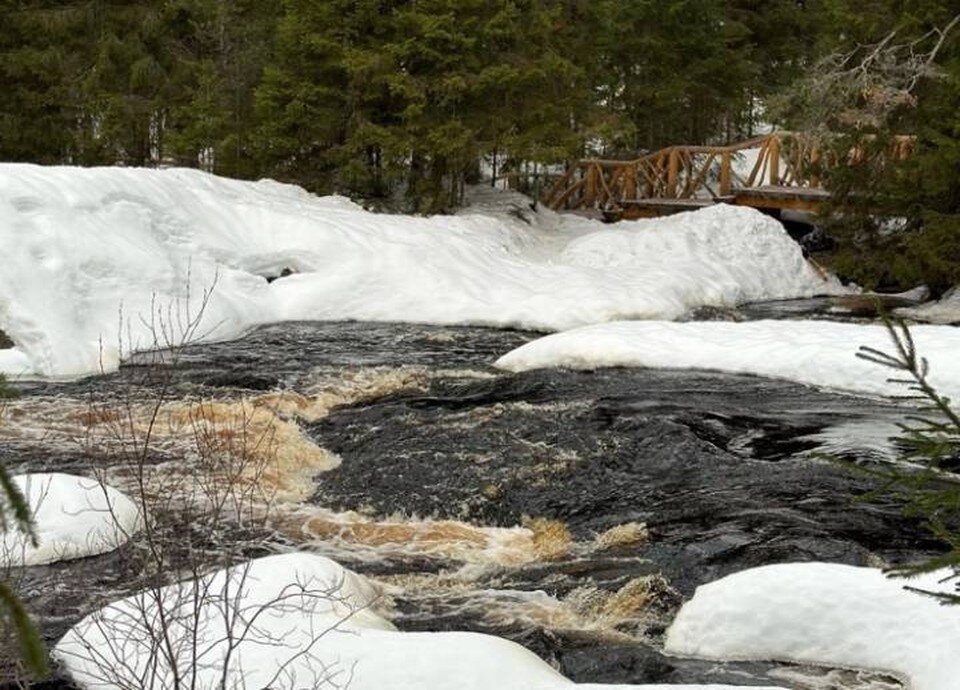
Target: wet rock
{"x":713,"y":314}
{"x":5,"y":341}
{"x":283,"y":274}
{"x":640,"y":664}
{"x":815,"y":241}
{"x":55,"y":683}
{"x":865,"y":307}
{"x":945,"y":311}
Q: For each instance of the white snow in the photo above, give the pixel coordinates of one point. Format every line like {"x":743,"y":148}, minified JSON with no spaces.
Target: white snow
{"x":826,"y":614}
{"x":74,"y":517}
{"x":305,"y":617}
{"x":945,"y":310}
{"x":819,"y":353}
{"x":97,"y":260}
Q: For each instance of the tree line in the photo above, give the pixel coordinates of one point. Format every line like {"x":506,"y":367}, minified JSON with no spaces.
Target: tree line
{"x":401,"y":100}
{"x":374,"y":96}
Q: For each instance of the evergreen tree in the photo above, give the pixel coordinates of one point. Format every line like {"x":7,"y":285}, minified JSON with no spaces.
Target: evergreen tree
{"x":38,"y":59}
{"x":301,"y":100}
{"x":674,"y":71}
{"x":924,"y":476}
{"x":15,"y":515}
{"x":221,"y":48}
{"x":403,"y":98}
{"x":897,"y":217}
{"x":406,"y":96}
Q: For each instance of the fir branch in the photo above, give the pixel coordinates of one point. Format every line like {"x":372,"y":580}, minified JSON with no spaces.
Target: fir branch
{"x":31,"y":646}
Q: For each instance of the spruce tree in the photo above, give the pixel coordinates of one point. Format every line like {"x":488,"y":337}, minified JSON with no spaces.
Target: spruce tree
{"x":885,"y":90}
{"x":38,"y":48}
{"x":15,"y":515}
{"x":924,"y":475}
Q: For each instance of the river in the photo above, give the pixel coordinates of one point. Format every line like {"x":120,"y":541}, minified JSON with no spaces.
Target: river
{"x":570,"y":511}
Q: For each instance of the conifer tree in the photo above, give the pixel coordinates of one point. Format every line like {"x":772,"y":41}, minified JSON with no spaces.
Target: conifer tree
{"x":891,"y":88}
{"x":38,"y":51}
{"x":15,"y":515}
{"x":402,"y":96}
{"x":924,"y":475}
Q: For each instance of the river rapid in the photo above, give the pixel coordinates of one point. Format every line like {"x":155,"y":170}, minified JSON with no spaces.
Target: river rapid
{"x":572,"y":512}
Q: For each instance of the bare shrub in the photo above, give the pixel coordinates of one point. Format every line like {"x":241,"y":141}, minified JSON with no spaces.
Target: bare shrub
{"x":201,"y":476}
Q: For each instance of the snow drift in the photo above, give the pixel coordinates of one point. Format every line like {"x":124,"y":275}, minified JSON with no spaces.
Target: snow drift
{"x":74,"y":517}
{"x":945,"y":311}
{"x":828,"y":614}
{"x":294,"y":620}
{"x":100,"y":262}
{"x":820,"y":353}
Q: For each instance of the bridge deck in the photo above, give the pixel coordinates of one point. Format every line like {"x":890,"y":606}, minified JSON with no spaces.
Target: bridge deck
{"x":767,"y":198}
{"x":781,"y":198}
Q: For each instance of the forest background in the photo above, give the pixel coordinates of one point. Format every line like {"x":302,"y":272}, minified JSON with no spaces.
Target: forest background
{"x":402,"y":103}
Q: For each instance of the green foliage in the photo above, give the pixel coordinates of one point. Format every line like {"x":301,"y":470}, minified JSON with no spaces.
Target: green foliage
{"x":675,"y":71}
{"x":400,"y":100}
{"x":924,"y":475}
{"x":390,"y":99}
{"x":34,"y":656}
{"x":897,"y":220}
{"x":15,"y":515}
{"x":6,"y":391}
{"x":378,"y":97}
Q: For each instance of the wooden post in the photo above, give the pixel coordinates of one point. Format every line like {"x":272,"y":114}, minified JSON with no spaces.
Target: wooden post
{"x":630,"y":183}
{"x":673,"y":169}
{"x":814,"y":162}
{"x":775,"y":160}
{"x":589,"y":188}
{"x":725,"y":170}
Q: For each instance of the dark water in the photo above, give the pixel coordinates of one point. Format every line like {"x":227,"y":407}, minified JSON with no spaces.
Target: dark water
{"x":723,"y":469}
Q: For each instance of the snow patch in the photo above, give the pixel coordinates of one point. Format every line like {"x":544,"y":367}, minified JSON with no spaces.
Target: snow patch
{"x":827,"y":614}
{"x":289,"y":617}
{"x":945,"y":311}
{"x":74,"y":517}
{"x":819,"y":353}
{"x":105,"y":261}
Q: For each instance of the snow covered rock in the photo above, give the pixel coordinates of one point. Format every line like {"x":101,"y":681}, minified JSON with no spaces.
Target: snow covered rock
{"x":104,"y":261}
{"x":820,"y":353}
{"x":946,"y":310}
{"x":301,"y":621}
{"x":74,"y":517}
{"x":819,"y":613}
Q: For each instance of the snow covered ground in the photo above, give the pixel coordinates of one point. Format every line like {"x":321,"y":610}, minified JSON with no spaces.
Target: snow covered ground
{"x":97,"y":262}
{"x":74,"y":517}
{"x":820,"y":353}
{"x":827,"y":614}
{"x":946,"y":310}
{"x":294,"y":620}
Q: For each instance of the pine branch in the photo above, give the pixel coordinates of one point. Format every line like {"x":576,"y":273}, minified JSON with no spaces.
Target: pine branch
{"x":930,"y":438}
{"x":31,"y":646}
{"x":13,"y":503}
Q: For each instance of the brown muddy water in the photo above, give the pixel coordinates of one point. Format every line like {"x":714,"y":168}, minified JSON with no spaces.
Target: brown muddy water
{"x":572,"y":512}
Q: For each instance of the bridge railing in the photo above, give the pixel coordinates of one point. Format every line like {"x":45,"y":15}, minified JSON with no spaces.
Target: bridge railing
{"x":781,"y":159}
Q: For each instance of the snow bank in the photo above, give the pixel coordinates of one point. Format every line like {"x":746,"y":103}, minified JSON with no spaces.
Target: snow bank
{"x":306,"y":619}
{"x":820,"y":353}
{"x":946,"y":310}
{"x":74,"y":517}
{"x":827,"y":614}
{"x":97,"y":260}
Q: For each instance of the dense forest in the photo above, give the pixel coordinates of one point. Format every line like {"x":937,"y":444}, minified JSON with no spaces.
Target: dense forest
{"x":403,"y":99}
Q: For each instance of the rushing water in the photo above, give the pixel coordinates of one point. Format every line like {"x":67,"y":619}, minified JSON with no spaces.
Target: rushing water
{"x":570,"y":511}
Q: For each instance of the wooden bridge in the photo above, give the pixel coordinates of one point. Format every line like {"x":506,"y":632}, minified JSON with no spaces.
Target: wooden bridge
{"x":773,"y":172}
